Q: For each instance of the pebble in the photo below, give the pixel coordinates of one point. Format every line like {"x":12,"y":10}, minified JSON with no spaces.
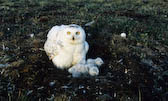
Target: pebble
{"x":4,"y":65}
{"x":123,"y":35}
{"x":29,"y":92}
{"x":65,"y":87}
{"x":32,"y":35}
{"x":52,"y":83}
{"x":40,"y":88}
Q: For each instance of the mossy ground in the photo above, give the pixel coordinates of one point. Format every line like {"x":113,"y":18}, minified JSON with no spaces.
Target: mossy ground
{"x":135,"y":68}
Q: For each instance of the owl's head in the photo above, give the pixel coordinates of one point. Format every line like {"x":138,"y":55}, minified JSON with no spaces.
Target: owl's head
{"x":74,"y":34}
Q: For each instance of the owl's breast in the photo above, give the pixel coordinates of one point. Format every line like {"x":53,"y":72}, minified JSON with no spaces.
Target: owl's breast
{"x":79,"y":54}
{"x":63,"y":60}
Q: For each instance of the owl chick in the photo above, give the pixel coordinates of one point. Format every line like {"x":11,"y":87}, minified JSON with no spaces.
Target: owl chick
{"x":78,"y":70}
{"x":98,"y":61}
{"x":66,"y":45}
{"x":91,"y":68}
{"x":93,"y":65}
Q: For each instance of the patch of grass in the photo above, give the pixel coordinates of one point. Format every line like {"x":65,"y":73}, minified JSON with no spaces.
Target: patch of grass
{"x":131,"y":16}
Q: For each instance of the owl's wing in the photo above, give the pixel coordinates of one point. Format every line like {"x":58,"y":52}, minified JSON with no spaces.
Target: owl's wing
{"x":50,"y":48}
{"x":53,"y":43}
{"x":54,"y":32}
{"x":86,"y":47}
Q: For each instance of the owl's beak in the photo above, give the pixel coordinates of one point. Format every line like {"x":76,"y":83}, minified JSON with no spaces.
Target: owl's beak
{"x":73,"y":38}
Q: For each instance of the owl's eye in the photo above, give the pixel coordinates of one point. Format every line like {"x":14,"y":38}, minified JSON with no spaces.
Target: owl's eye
{"x":77,"y":33}
{"x":68,"y":32}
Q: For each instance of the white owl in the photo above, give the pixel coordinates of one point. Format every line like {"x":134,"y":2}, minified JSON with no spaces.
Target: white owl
{"x":66,"y":45}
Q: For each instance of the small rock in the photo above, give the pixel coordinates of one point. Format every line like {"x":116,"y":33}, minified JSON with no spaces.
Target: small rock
{"x":40,"y":88}
{"x":52,"y":83}
{"x":115,"y":94}
{"x":4,"y":65}
{"x":64,"y":87}
{"x":32,"y":35}
{"x":29,"y":92}
{"x":5,"y":48}
{"x":2,"y":71}
{"x":81,"y":87}
{"x":123,"y":35}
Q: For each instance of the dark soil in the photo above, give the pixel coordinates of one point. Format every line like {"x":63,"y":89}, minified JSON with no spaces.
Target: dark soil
{"x":135,"y":68}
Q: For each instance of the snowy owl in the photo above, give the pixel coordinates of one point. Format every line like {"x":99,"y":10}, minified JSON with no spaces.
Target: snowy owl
{"x":66,"y":45}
